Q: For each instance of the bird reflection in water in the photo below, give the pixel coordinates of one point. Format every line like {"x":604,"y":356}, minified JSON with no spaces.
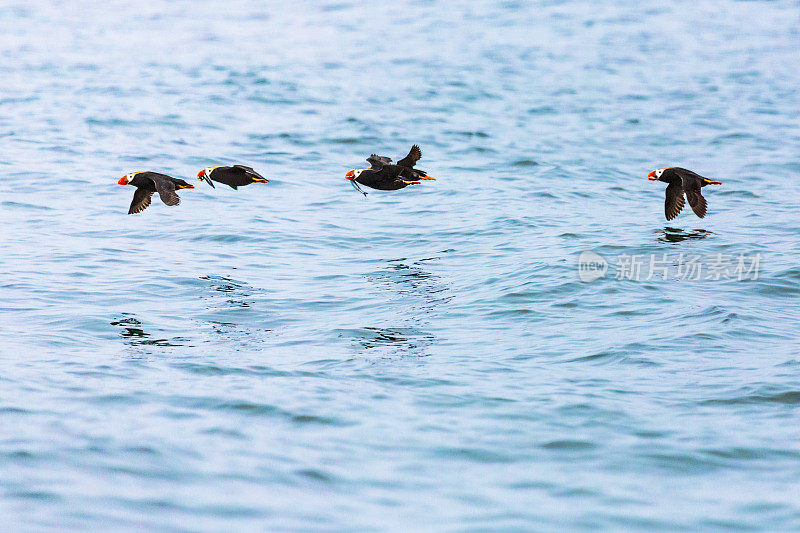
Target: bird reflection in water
{"x":134,"y":335}
{"x":678,"y":235}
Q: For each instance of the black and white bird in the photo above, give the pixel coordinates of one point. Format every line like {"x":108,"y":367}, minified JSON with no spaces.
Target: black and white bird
{"x":234,"y":177}
{"x":147,"y":183}
{"x":682,"y":182}
{"x":385,"y":176}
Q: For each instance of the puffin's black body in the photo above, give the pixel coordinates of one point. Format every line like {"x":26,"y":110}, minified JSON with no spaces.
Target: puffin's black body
{"x":682,"y":182}
{"x":147,"y":183}
{"x":385,"y":176}
{"x":234,"y":177}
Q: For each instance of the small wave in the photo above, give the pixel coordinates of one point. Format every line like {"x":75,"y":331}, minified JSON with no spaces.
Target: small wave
{"x":21,"y":205}
{"x":569,"y":445}
{"x":477,"y":455}
{"x":785,"y":398}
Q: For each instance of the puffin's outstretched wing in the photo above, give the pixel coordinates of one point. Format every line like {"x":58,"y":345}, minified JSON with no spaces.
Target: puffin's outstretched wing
{"x":411,"y":159}
{"x":377,"y":162}
{"x":166,"y":190}
{"x":674,"y":203}
{"x":695,"y":197}
{"x":141,"y":201}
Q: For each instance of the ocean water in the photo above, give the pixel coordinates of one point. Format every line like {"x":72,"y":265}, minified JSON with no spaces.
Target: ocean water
{"x":295,"y":356}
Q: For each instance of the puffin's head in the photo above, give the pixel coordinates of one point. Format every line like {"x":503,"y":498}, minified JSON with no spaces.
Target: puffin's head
{"x":205,"y":175}
{"x":127,"y":178}
{"x":656,"y":174}
{"x":206,"y":172}
{"x":353,"y":174}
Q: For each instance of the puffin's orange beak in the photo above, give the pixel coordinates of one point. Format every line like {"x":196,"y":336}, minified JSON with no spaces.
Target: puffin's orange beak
{"x":350,"y":175}
{"x":122,"y":181}
{"x":652,"y":176}
{"x":200,"y":174}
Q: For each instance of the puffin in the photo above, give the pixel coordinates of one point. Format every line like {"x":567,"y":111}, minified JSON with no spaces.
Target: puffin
{"x":234,"y":177}
{"x":385,"y":176}
{"x":682,"y":181}
{"x":147,"y":183}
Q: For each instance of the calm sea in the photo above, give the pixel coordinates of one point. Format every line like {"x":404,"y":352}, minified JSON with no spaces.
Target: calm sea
{"x":295,"y":356}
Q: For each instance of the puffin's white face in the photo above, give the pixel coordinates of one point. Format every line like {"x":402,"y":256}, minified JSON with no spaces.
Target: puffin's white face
{"x":659,"y":172}
{"x":358,"y":172}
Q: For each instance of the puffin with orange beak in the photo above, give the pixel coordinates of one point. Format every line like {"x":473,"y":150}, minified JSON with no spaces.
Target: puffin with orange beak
{"x":682,"y":182}
{"x":147,"y":183}
{"x":385,"y":176}
{"x":234,"y":177}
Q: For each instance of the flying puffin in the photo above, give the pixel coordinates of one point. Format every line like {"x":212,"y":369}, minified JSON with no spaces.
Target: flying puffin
{"x":147,"y":183}
{"x":385,"y":176}
{"x":682,"y":181}
{"x":235,"y":176}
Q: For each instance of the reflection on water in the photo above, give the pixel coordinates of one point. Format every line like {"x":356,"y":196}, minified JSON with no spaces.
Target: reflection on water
{"x":222,"y":283}
{"x":677,"y":235}
{"x":407,"y":339}
{"x":423,"y":289}
{"x":239,"y":291}
{"x":134,"y":335}
{"x":231,"y":312}
{"x":415,"y":293}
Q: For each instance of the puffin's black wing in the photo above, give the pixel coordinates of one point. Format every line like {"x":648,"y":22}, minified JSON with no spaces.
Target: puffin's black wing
{"x":141,"y":201}
{"x":378,"y":161}
{"x":695,"y":197}
{"x":687,"y":174}
{"x":166,"y":190}
{"x":250,"y":172}
{"x":674,"y":203}
{"x":411,"y":159}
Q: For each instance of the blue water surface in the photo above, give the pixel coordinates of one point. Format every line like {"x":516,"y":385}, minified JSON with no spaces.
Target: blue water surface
{"x":295,"y":356}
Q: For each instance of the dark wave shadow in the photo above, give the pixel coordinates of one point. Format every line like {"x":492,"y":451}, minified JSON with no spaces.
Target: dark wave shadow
{"x":675,"y":235}
{"x":406,"y":341}
{"x":134,"y":335}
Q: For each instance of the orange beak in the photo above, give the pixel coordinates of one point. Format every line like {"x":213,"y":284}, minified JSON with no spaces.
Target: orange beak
{"x":200,"y":174}
{"x":122,"y":181}
{"x":350,"y":175}
{"x":652,"y":176}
